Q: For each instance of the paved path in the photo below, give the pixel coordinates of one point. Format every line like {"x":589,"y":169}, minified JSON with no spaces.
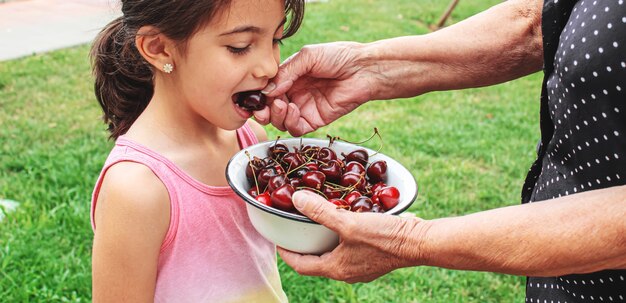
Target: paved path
{"x":35,"y":26}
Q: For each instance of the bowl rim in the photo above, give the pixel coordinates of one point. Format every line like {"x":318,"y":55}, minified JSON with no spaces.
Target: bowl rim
{"x":302,"y":218}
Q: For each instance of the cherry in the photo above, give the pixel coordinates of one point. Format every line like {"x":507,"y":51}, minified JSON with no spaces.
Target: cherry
{"x":358,"y":155}
{"x":264,"y":176}
{"x":299,"y":173}
{"x":331,"y":192}
{"x":388,"y":197}
{"x":251,"y":100}
{"x":378,"y":186}
{"x":377,"y":171}
{"x":351,"y":196}
{"x":277,"y":150}
{"x":326,"y":154}
{"x":281,"y":198}
{"x":361,"y":204}
{"x":340,"y":203}
{"x":353,"y":180}
{"x":332,"y":169}
{"x":314,"y":179}
{"x":264,"y":198}
{"x":276,"y":182}
{"x":292,"y":160}
{"x":253,"y":192}
{"x":376,"y":208}
{"x":312,"y":166}
{"x":355,"y":167}
{"x":295,"y":182}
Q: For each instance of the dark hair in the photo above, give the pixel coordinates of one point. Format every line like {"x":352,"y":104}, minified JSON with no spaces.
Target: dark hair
{"x":123,"y":78}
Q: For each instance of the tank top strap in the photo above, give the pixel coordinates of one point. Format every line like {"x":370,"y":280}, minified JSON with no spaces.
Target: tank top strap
{"x":246,"y":136}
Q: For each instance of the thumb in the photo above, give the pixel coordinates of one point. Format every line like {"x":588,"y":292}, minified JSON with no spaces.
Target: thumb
{"x":317,"y":208}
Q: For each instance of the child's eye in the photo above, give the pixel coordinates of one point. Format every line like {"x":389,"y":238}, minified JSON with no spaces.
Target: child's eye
{"x":278,"y":41}
{"x":238,"y":50}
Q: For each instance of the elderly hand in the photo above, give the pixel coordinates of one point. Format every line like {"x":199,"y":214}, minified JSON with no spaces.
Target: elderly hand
{"x":316,"y":86}
{"x":370,"y":244}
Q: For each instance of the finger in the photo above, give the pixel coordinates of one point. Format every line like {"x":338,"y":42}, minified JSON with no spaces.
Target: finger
{"x":278,"y":111}
{"x":294,"y":123}
{"x":293,"y":68}
{"x":303,"y":264}
{"x":318,"y":209}
{"x":262,"y":116}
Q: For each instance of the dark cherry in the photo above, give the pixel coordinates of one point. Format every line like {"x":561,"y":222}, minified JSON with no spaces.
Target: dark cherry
{"x":264,"y":176}
{"x":314,"y":179}
{"x":296,"y":182}
{"x":326,"y":154}
{"x":276,"y":182}
{"x":378,"y":186}
{"x":331,"y":192}
{"x":377,"y":171}
{"x":299,"y":173}
{"x":251,"y":100}
{"x":353,"y":180}
{"x":312,"y":166}
{"x":388,"y":197}
{"x":253,"y":192}
{"x":281,"y":198}
{"x":309,"y":150}
{"x":264,"y":198}
{"x":351,"y":196}
{"x":292,"y":160}
{"x":253,"y":168}
{"x":355,"y":167}
{"x":277,"y":150}
{"x":340,"y":203}
{"x":332,"y":170}
{"x":358,"y":155}
{"x":361,"y":204}
{"x":377,"y":208}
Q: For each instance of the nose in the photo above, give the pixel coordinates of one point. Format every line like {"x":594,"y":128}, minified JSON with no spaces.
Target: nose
{"x":267,"y":64}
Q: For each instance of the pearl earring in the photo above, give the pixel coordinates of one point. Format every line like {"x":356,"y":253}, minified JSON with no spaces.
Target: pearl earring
{"x":168,"y":68}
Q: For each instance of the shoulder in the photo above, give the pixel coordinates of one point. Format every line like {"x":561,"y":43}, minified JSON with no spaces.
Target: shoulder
{"x":131,"y":190}
{"x":258,"y":130}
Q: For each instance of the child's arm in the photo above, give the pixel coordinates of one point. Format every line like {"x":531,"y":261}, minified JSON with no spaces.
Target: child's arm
{"x":131,"y":218}
{"x":258,"y":130}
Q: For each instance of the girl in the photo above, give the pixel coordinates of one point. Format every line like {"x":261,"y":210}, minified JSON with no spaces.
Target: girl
{"x":167,"y":227}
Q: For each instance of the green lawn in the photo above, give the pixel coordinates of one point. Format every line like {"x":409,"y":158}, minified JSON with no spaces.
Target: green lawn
{"x":469,"y":151}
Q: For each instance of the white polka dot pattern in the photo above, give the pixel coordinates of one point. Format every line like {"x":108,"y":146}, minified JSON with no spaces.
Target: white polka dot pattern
{"x":583,"y":126}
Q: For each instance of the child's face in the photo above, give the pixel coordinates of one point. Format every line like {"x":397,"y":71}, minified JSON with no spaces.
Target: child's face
{"x":237,"y":51}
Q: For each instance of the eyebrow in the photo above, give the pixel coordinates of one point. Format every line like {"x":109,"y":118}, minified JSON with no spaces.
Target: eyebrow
{"x":249,"y":29}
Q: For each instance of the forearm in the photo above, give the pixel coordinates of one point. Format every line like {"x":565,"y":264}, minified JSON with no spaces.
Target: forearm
{"x":500,"y":44}
{"x":575,"y":234}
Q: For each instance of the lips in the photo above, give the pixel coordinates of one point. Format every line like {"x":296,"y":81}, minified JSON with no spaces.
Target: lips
{"x":252,"y":100}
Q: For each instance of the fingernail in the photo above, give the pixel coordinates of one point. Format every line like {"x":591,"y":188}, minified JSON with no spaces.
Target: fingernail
{"x":270,"y":87}
{"x":299,"y":198}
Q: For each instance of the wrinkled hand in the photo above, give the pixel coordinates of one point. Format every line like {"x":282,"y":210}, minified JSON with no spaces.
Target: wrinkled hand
{"x":315,"y":87}
{"x":370,"y":244}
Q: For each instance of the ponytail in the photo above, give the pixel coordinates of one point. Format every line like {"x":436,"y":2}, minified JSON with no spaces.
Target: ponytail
{"x":123,"y":79}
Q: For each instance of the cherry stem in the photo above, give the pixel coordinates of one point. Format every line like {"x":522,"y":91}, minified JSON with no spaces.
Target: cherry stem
{"x":256,"y":183}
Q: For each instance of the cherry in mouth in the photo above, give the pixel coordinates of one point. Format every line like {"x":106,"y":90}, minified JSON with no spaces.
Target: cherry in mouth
{"x":251,"y":100}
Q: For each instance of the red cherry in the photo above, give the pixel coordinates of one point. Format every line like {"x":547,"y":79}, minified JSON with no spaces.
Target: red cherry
{"x":358,"y":155}
{"x":276,"y":182}
{"x":331,"y":192}
{"x":352,"y":180}
{"x":312,"y":166}
{"x":351,"y":196}
{"x":355,"y":167}
{"x":296,"y":182}
{"x":264,"y":198}
{"x":388,"y":197}
{"x":378,"y":186}
{"x":292,"y":160}
{"x":377,"y":171}
{"x":361,"y":204}
{"x":277,"y":150}
{"x":253,"y":168}
{"x":314,"y":179}
{"x":264,"y":176}
{"x":281,"y":198}
{"x":332,"y":169}
{"x":326,"y":154}
{"x":251,"y":100}
{"x":253,"y":192}
{"x":340,"y":203}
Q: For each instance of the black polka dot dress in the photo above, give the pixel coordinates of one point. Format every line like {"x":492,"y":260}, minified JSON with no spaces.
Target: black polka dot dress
{"x":583,"y":127}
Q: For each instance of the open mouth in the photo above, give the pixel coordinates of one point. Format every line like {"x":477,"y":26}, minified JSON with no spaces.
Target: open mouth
{"x":250,"y":100}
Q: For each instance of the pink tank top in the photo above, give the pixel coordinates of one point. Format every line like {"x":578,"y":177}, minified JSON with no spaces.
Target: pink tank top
{"x":211,"y":252}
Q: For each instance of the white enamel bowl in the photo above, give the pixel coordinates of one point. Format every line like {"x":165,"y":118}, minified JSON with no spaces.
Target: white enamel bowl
{"x":296,"y":232}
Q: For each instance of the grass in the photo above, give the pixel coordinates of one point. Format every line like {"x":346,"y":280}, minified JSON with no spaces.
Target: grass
{"x":468,"y":149}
